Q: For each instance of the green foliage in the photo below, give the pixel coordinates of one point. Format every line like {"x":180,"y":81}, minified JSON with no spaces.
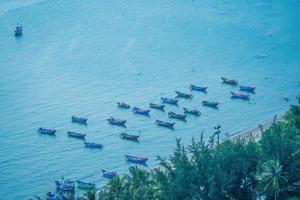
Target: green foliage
{"x":268,"y":169}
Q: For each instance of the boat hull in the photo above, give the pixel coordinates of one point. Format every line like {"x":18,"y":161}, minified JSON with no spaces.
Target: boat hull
{"x":134,"y":159}
{"x":169,"y":101}
{"x":157,"y":106}
{"x":46,"y":131}
{"x":76,"y":135}
{"x":165,"y":124}
{"x":198,"y":88}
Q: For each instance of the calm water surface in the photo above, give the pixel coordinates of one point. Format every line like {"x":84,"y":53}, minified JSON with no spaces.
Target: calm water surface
{"x":78,"y":57}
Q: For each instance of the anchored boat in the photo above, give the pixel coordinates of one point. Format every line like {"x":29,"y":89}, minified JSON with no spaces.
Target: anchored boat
{"x":122,"y":105}
{"x":140,"y":111}
{"x":85,"y":185}
{"x":210,"y":103}
{"x":198,"y":88}
{"x":240,"y":95}
{"x":79,"y":120}
{"x":18,"y":31}
{"x":129,"y":137}
{"x":116,"y":121}
{"x":169,"y":101}
{"x":157,"y":106}
{"x":108,"y":174}
{"x":165,"y":124}
{"x":46,"y":131}
{"x":135,"y":159}
{"x":76,"y":135}
{"x":247,"y":88}
{"x":229,"y":81}
{"x":177,"y":116}
{"x":192,"y":111}
{"x":93,"y":145}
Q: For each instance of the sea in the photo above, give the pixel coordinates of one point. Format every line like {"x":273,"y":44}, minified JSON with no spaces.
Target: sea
{"x":79,"y":57}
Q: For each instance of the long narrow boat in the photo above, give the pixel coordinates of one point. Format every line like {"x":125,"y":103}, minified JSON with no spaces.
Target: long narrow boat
{"x":176,"y":116}
{"x":229,"y":81}
{"x":122,"y":105}
{"x":157,"y":106}
{"x":108,"y":174}
{"x":129,"y":137}
{"x":76,"y":135}
{"x":85,"y":185}
{"x":247,"y":88}
{"x":183,"y":95}
{"x":79,"y":120}
{"x":210,"y":103}
{"x":135,"y":159}
{"x":198,"y":88}
{"x":192,"y":111}
{"x":169,"y":101}
{"x":165,"y":124}
{"x":65,"y":185}
{"x":93,"y":145}
{"x":46,"y":131}
{"x":140,"y":111}
{"x":240,"y":95}
{"x":116,"y":121}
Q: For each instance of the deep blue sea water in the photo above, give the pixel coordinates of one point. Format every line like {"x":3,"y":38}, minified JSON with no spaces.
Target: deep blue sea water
{"x":78,"y":57}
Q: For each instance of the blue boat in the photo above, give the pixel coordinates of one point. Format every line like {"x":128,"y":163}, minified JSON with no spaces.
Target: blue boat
{"x":18,"y":31}
{"x":85,"y":185}
{"x":176,"y":116}
{"x":108,"y":174}
{"x":169,"y":101}
{"x":79,"y":120}
{"x":247,"y":88}
{"x":134,"y":159}
{"x":210,"y":103}
{"x":198,"y":88}
{"x":165,"y":124}
{"x":116,"y":121}
{"x":229,"y":81}
{"x":76,"y":135}
{"x":140,"y":111}
{"x":50,"y":196}
{"x":46,"y":131}
{"x":192,"y":111}
{"x":129,"y":137}
{"x":240,"y":95}
{"x":65,"y":185}
{"x":157,"y":106}
{"x":183,"y":95}
{"x":93,"y":145}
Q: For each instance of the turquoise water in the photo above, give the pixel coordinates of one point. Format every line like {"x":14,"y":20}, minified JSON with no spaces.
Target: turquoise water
{"x":78,"y":57}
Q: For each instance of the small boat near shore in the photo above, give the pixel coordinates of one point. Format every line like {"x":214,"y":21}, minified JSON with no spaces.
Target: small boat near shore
{"x":116,"y":121}
{"x":46,"y":131}
{"x":79,"y":120}
{"x":198,"y":88}
{"x":123,"y":105}
{"x":108,"y":174}
{"x":85,"y":185}
{"x":229,"y":81}
{"x":76,"y":135}
{"x":93,"y":145}
{"x":165,"y":124}
{"x":135,"y":159}
{"x":19,"y":31}
{"x":65,"y":185}
{"x":140,"y":111}
{"x":169,"y":101}
{"x":183,"y":95}
{"x":176,"y":116}
{"x":192,"y":111}
{"x":157,"y":106}
{"x":240,"y":95}
{"x":129,"y":137}
{"x":50,"y":196}
{"x":247,"y":89}
{"x":210,"y":103}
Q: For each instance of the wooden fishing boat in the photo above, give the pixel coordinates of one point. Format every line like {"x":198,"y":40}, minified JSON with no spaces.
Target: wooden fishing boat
{"x":210,"y":103}
{"x":122,"y":105}
{"x":79,"y":120}
{"x":198,"y":88}
{"x":108,"y":174}
{"x":46,"y":131}
{"x":129,"y":137}
{"x":229,"y":81}
{"x":85,"y":185}
{"x":240,"y":95}
{"x":247,"y":88}
{"x":135,"y":159}
{"x":18,"y":31}
{"x":192,"y":111}
{"x":140,"y":111}
{"x":65,"y":185}
{"x":157,"y":106}
{"x":176,"y":116}
{"x":183,"y":95}
{"x":169,"y":101}
{"x":165,"y":124}
{"x":116,"y":121}
{"x":76,"y":135}
{"x":93,"y":145}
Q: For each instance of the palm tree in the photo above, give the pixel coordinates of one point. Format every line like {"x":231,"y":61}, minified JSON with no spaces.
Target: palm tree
{"x":89,"y":195}
{"x":271,"y":178}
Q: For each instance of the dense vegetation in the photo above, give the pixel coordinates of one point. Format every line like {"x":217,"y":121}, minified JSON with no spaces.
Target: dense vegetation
{"x":267,"y":169}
